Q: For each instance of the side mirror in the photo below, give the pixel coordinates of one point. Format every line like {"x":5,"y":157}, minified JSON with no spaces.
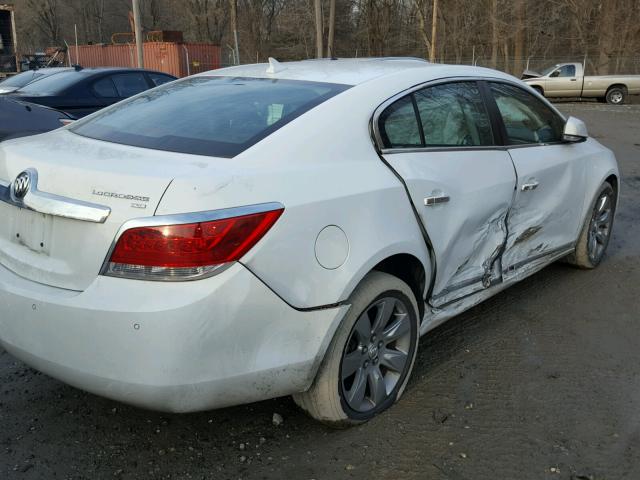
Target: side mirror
{"x":574,"y":131}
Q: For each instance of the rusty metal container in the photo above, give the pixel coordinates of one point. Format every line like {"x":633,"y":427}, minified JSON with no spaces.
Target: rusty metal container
{"x":179,"y":59}
{"x":165,"y":36}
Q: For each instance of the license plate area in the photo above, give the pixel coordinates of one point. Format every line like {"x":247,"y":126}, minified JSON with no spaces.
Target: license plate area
{"x":33,"y":230}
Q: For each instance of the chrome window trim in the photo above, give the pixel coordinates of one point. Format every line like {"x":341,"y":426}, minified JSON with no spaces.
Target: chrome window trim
{"x":52,"y":204}
{"x":377,"y":137}
{"x":181,"y":219}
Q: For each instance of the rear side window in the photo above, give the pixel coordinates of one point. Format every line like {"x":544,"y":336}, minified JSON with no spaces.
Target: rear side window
{"x":527,"y":120}
{"x":216,"y":116}
{"x":399,"y":126}
{"x":454,"y":114}
{"x":105,"y":88}
{"x":130,"y":84}
{"x":446,"y":115}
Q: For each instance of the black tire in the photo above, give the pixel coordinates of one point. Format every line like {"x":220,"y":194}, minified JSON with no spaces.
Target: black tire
{"x":325,"y":400}
{"x":584,"y":256}
{"x":539,"y":90}
{"x":616,"y":95}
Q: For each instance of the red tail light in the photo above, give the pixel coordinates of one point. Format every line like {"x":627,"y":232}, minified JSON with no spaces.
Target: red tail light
{"x":187,"y":251}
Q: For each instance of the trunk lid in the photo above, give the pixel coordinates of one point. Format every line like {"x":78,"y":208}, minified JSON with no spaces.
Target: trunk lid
{"x":68,"y":253}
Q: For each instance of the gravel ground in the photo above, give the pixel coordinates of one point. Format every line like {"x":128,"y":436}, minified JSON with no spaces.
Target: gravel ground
{"x":540,"y":382}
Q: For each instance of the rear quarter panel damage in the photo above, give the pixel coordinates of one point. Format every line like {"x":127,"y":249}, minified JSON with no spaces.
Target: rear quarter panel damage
{"x":324,"y":169}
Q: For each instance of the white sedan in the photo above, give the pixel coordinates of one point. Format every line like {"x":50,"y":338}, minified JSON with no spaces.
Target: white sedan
{"x":286,"y":228}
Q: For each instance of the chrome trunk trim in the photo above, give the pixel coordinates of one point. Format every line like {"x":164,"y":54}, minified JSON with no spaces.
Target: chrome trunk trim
{"x":51,"y":204}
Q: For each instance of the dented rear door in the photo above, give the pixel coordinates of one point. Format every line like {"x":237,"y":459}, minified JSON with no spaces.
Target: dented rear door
{"x":470,"y":194}
{"x":460,"y":183}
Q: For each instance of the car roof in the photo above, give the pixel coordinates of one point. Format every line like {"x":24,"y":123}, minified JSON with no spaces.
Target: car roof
{"x":348,"y":71}
{"x":98,"y":70}
{"x":50,"y":70}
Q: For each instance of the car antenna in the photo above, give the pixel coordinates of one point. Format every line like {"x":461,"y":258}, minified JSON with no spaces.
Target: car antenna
{"x":275,"y":66}
{"x":77,"y":67}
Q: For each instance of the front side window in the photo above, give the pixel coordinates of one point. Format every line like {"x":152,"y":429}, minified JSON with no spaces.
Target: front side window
{"x":215,"y":116}
{"x":527,"y":119}
{"x":565,"y":71}
{"x":454,"y":114}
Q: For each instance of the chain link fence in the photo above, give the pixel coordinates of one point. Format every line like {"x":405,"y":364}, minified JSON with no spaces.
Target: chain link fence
{"x":593,"y":65}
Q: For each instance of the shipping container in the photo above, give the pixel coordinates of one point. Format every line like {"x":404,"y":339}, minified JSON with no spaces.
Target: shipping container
{"x":178,"y":59}
{"x":8,"y":41}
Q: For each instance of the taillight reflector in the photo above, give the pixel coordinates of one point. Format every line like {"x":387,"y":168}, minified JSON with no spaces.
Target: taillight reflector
{"x":187,"y":251}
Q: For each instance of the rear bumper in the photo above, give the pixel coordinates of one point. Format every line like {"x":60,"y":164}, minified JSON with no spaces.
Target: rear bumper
{"x":167,"y":346}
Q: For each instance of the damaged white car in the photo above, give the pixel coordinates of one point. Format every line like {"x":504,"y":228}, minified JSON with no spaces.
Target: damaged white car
{"x":286,"y":229}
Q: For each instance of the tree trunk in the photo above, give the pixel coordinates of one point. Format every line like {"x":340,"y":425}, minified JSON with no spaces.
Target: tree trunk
{"x":234,"y":30}
{"x":319,"y":39}
{"x":518,"y":43}
{"x":494,"y":33}
{"x":422,"y":27}
{"x":607,"y":35}
{"x":434,"y":31}
{"x":332,"y":28}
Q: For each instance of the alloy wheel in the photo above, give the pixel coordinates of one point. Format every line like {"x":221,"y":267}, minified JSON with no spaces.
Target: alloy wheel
{"x":377,"y":354}
{"x":600,"y":227}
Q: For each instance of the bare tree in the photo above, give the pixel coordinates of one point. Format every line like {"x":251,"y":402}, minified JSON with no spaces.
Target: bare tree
{"x":46,"y":18}
{"x":332,"y":28}
{"x":317,"y":4}
{"x":493,"y":18}
{"x":506,"y":34}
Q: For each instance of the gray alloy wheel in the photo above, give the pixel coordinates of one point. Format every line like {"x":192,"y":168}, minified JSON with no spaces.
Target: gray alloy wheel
{"x":370,"y":358}
{"x":600,"y":226}
{"x":377,"y":354}
{"x":596,"y":231}
{"x":616,"y":96}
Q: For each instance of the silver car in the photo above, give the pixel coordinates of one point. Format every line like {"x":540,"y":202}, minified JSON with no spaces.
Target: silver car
{"x":286,"y":229}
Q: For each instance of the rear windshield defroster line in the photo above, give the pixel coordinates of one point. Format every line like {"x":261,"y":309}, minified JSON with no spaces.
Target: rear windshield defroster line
{"x":213,"y":116}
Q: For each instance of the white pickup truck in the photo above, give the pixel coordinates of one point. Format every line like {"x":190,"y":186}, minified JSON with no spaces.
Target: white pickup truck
{"x":568,"y":80}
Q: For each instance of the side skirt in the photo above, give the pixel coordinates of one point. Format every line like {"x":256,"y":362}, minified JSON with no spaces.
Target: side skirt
{"x":436,"y":316}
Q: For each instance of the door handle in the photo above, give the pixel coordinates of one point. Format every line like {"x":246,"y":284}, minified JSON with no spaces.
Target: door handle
{"x":527,"y":187}
{"x":435,"y":200}
{"x":573,"y":80}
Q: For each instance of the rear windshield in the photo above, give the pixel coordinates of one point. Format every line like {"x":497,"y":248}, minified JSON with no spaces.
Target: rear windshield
{"x":21,"y":79}
{"x":53,"y":84}
{"x":215,"y":116}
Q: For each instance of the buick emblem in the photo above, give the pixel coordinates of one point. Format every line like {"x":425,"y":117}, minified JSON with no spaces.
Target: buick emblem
{"x":21,"y":185}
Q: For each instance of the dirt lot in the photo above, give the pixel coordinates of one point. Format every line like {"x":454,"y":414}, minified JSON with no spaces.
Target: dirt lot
{"x":541,"y":382}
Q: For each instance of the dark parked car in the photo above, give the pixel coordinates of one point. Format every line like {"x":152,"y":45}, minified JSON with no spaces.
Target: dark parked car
{"x":82,"y":91}
{"x":19,"y":119}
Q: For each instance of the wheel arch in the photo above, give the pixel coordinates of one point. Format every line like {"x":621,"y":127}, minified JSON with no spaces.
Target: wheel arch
{"x":539,"y":89}
{"x":610,"y":175}
{"x":614,"y":181}
{"x":411,"y":271}
{"x":618,"y":85}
